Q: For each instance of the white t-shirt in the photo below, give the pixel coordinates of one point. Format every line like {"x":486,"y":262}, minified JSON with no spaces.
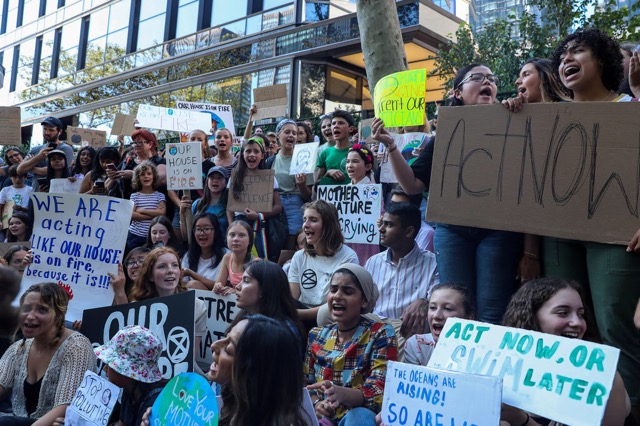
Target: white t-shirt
{"x":418,"y":349}
{"x":313,"y":273}
{"x":20,"y":196}
{"x":204,"y":267}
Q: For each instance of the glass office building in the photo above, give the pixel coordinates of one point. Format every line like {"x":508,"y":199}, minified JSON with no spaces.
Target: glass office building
{"x":85,"y":60}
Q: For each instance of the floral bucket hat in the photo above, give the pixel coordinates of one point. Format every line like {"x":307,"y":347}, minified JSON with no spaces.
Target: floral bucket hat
{"x":133,"y":352}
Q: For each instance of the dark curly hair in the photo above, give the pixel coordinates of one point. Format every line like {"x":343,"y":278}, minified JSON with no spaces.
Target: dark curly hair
{"x":605,"y":50}
{"x":525,"y":303}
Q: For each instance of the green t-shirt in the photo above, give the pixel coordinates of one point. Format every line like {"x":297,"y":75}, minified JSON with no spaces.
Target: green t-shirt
{"x":333,"y":158}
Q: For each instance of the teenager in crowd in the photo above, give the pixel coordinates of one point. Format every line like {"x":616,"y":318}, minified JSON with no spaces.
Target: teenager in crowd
{"x":161,"y":233}
{"x":485,"y":260}
{"x":234,"y":263}
{"x":324,"y":250}
{"x":224,"y":143}
{"x":83,"y":163}
{"x":201,"y":264}
{"x":42,"y":371}
{"x":18,"y":192}
{"x":331,"y":161}
{"x":147,"y":203}
{"x":20,"y":228}
{"x":346,"y":362}
{"x":107,"y":157}
{"x":556,"y":306}
{"x":57,"y":168}
{"x":213,"y":201}
{"x":14,"y":258}
{"x":132,"y":263}
{"x":305,"y":134}
{"x":447,"y":300}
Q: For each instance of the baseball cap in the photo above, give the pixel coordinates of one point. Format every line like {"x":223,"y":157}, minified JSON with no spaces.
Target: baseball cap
{"x":218,"y":169}
{"x":53,"y":122}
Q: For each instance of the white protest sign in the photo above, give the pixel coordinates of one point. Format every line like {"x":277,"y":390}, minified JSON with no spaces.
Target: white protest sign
{"x":221,"y":311}
{"x":78,"y":239}
{"x":406,"y":143}
{"x":179,"y":120}
{"x":93,"y":402}
{"x":184,"y":165}
{"x":220,"y":116}
{"x":305,"y":156}
{"x":566,"y":380}
{"x":417,"y":395}
{"x":359,"y":207}
{"x":65,"y":186}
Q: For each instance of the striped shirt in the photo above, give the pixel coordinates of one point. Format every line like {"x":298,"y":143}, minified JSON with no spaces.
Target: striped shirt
{"x":144,"y":201}
{"x":360,"y":363}
{"x":402,"y":284}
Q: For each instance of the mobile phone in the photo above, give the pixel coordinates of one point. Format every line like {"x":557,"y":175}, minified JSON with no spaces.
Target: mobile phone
{"x":99,"y":184}
{"x":111,"y":166}
{"x":43,"y":181}
{"x":53,"y":145}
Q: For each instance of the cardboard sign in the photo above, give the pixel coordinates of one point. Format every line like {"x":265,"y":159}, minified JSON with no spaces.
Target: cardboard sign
{"x":93,"y":402}
{"x":221,"y":311}
{"x":271,"y":101}
{"x":64,"y":185}
{"x":77,"y":240}
{"x":257,"y":193}
{"x":399,"y":98}
{"x":566,"y":380}
{"x":416,"y":395}
{"x":565,"y":169}
{"x":365,"y":131}
{"x":10,"y":124}
{"x":179,"y":120}
{"x":184,"y":165}
{"x":186,"y":400}
{"x":4,"y":247}
{"x":94,"y":138}
{"x":220,"y":116}
{"x":406,"y":143}
{"x":123,"y":124}
{"x":7,"y":212}
{"x":171,"y":318}
{"x":359,"y":207}
{"x":305,"y":157}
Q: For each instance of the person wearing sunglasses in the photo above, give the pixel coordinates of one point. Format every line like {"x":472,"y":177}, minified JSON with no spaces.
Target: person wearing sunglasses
{"x":483,"y":260}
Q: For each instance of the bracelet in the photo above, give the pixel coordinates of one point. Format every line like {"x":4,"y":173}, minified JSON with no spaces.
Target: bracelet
{"x":526,"y":422}
{"x":392,"y":148}
{"x":316,"y":402}
{"x":531,"y":255}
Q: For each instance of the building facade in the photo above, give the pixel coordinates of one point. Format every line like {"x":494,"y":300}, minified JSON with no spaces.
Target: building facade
{"x":85,"y":60}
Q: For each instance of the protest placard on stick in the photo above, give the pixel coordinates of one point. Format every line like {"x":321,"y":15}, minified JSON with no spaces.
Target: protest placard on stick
{"x":93,"y":402}
{"x":416,"y":395}
{"x":567,"y":169}
{"x":10,"y":133}
{"x":184,"y":165}
{"x":221,"y":116}
{"x":77,"y":240}
{"x":179,"y":120}
{"x":186,"y":400}
{"x":123,"y":124}
{"x":566,"y":380}
{"x":271,"y":101}
{"x":257,"y":193}
{"x":399,"y":98}
{"x":171,"y":318}
{"x":359,"y":208}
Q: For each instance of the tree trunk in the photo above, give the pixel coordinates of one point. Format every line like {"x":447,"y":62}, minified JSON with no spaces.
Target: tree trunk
{"x":381,"y":39}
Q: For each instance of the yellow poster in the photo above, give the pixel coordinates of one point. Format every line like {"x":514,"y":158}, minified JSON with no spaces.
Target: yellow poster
{"x":399,"y":98}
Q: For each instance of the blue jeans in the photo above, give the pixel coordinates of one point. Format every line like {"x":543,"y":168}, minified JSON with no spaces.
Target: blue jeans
{"x":358,"y":416}
{"x":484,"y":260}
{"x":292,"y":206}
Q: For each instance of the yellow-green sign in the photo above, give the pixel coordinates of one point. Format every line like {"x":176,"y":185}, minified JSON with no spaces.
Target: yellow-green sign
{"x":399,"y":98}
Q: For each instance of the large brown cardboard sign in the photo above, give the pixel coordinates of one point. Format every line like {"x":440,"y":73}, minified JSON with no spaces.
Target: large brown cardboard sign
{"x":569,"y":170}
{"x":257,"y":193}
{"x":271,"y":101}
{"x":95,"y":138}
{"x":10,"y":126}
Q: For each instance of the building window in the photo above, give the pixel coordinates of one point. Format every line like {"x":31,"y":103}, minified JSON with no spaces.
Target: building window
{"x":14,"y":69}
{"x":187,"y":18}
{"x":151,"y":26}
{"x":221,"y":13}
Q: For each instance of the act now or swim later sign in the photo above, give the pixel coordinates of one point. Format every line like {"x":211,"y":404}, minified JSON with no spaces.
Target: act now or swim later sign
{"x":566,"y":380}
{"x":568,"y":170}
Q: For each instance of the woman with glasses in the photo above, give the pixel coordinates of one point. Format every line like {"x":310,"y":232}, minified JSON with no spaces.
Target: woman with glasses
{"x":201,"y":263}
{"x":145,"y":148}
{"x":483,"y":260}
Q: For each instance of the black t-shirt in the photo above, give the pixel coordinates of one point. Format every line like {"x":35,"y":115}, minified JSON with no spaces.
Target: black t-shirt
{"x":423,"y":164}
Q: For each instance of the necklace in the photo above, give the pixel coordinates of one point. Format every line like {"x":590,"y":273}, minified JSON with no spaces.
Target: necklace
{"x":350,"y":329}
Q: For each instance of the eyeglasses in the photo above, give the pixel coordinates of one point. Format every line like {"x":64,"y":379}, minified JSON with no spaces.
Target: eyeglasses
{"x":478,"y":77}
{"x":131,"y":263}
{"x":139,"y":143}
{"x":206,"y":230}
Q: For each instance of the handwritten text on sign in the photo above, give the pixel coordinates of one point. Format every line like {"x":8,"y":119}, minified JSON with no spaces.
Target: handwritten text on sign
{"x":257,"y":192}
{"x":220,"y":116}
{"x":359,"y":208}
{"x":171,"y":318}
{"x":93,"y":402}
{"x":76,"y":241}
{"x":221,"y":311}
{"x":179,"y":120}
{"x":566,"y":380}
{"x":186,"y":400}
{"x":567,"y":170}
{"x":415,"y":395}
{"x":184,"y":165}
{"x":399,"y":98}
